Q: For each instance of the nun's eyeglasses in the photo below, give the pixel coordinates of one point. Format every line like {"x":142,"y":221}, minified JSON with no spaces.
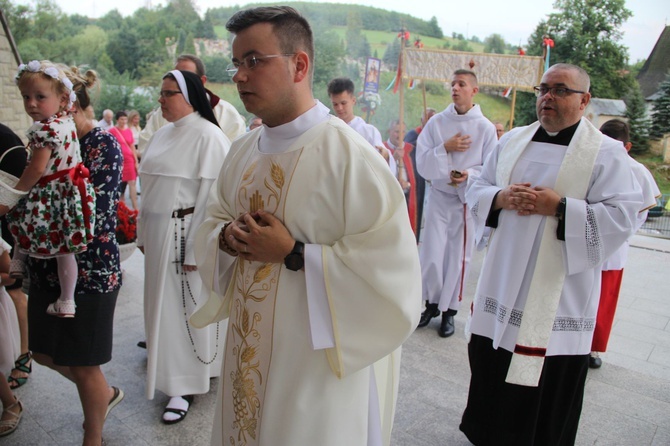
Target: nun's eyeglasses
{"x":165,"y":94}
{"x":250,"y":62}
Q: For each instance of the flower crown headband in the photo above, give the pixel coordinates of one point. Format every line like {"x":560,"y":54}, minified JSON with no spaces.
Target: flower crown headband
{"x":35,"y":66}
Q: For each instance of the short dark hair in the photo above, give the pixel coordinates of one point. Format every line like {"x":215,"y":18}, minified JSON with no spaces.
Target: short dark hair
{"x":467,"y":73}
{"x":290,"y":27}
{"x":340,"y":85}
{"x":583,"y":78}
{"x":617,"y":129}
{"x":199,"y":65}
{"x":120,"y":114}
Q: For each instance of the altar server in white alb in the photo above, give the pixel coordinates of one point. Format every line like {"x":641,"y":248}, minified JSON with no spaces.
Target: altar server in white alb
{"x":560,"y":198}
{"x":341,"y":94}
{"x":310,"y":255}
{"x":451,"y":149}
{"x":177,"y":172}
{"x":612,"y":270}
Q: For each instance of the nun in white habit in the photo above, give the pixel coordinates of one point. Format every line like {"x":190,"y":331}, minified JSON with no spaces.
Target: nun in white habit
{"x":180,"y":164}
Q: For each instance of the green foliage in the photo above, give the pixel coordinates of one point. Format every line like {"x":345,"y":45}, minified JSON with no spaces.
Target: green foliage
{"x":216,"y":69}
{"x":660,"y":117}
{"x":525,"y":112}
{"x":120,"y":92}
{"x":435,"y":88}
{"x":436,"y":31}
{"x":462,"y":45}
{"x":392,"y":54}
{"x":587,"y":33}
{"x":494,"y":44}
{"x":358,"y":46}
{"x":328,"y":55}
{"x":124,"y":48}
{"x":658,"y":169}
{"x":130,"y":52}
{"x":636,"y":112}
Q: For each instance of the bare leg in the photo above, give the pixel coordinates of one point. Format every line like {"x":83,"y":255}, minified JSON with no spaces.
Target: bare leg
{"x":94,"y":394}
{"x":21,"y":303}
{"x":47,"y":361}
{"x":6,"y":395}
{"x":132,"y":187}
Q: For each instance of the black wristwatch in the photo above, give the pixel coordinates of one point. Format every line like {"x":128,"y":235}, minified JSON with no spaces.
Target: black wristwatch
{"x":295,"y":260}
{"x":560,"y":209}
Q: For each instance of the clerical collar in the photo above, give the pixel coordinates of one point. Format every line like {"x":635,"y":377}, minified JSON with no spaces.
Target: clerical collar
{"x":279,"y":139}
{"x":562,"y":138}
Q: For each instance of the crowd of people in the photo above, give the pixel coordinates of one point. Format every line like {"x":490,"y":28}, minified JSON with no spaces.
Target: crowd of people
{"x":290,"y":256}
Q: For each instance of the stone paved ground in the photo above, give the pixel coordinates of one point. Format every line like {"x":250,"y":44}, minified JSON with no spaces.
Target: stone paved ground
{"x":627,"y":401}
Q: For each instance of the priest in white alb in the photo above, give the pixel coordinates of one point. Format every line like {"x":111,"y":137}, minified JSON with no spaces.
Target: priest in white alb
{"x":309,"y":253}
{"x":560,"y":198}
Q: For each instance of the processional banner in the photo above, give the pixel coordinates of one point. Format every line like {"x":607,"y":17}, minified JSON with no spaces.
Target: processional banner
{"x":498,"y":70}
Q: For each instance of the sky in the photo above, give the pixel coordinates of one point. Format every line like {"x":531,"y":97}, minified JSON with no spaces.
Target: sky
{"x":514,"y":20}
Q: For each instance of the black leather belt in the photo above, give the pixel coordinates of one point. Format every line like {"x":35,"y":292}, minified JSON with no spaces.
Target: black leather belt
{"x":181,"y":213}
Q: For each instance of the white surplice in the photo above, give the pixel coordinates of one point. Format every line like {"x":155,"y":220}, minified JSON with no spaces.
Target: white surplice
{"x":448,"y":234}
{"x":594,"y":228}
{"x":177,"y":172}
{"x":370,"y":133}
{"x":312,"y":357}
{"x":650,"y":193}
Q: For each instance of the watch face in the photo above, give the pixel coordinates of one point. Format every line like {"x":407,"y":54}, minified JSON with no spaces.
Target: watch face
{"x":294,"y":261}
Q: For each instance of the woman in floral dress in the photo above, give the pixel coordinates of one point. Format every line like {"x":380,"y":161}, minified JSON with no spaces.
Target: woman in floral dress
{"x":76,"y":348}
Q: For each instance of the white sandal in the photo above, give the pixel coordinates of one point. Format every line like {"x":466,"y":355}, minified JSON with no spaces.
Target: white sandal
{"x":9,"y":426}
{"x":62,"y":308}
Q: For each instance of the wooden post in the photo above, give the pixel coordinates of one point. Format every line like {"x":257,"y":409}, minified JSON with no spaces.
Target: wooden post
{"x":401,"y":68}
{"x":511,"y":113}
{"x":425,"y":102}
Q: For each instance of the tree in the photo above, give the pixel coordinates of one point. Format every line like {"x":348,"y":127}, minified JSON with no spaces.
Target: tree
{"x":435,"y":29}
{"x":660,"y":117}
{"x":357,"y":43}
{"x":124,"y":49}
{"x":463,"y":45}
{"x":392,"y":54}
{"x":636,"y":112}
{"x":328,"y":55}
{"x":495,"y":43}
{"x":587,"y":33}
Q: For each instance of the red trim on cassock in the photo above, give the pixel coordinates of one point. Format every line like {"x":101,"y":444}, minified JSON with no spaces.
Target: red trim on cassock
{"x":530,"y":351}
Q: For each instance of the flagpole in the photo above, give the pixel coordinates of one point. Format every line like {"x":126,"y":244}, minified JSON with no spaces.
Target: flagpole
{"x":423,"y":92}
{"x":401,"y":118}
{"x":511,"y":113}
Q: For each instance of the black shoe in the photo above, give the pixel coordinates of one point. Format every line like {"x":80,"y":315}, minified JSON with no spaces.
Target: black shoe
{"x":142,"y":344}
{"x":447,"y":326}
{"x":594,"y":361}
{"x":430,"y":312}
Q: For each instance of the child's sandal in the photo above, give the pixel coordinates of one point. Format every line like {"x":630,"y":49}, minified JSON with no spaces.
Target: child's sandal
{"x":62,"y":308}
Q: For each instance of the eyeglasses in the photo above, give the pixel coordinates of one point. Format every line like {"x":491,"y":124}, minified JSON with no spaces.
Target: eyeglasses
{"x":165,"y":94}
{"x":250,"y":62}
{"x":557,"y":92}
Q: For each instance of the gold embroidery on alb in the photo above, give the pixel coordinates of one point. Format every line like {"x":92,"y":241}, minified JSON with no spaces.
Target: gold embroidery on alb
{"x":249,"y":348}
